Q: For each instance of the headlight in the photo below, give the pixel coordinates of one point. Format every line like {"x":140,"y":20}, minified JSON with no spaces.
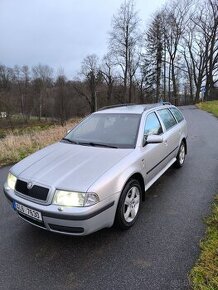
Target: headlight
{"x":11,"y":181}
{"x":69,"y":198}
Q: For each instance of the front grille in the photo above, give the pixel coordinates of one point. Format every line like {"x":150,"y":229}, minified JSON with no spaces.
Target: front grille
{"x":36,"y":191}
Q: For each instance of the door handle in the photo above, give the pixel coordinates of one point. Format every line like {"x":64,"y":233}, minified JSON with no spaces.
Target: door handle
{"x":165,"y":143}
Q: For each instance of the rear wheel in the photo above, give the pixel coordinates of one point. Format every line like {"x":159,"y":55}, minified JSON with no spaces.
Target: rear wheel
{"x":129,"y":204}
{"x":180,"y":159}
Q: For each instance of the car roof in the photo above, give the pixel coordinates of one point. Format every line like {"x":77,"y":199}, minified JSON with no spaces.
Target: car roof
{"x":132,"y":108}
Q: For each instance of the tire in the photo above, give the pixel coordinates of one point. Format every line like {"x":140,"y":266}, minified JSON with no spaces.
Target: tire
{"x":129,"y":205}
{"x":180,"y":159}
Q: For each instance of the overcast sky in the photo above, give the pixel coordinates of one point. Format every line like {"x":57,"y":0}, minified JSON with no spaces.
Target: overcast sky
{"x":59,"y":33}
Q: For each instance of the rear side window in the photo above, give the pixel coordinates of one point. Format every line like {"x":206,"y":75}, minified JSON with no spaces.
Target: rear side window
{"x":167,"y":118}
{"x":152,"y":125}
{"x":177,"y":114}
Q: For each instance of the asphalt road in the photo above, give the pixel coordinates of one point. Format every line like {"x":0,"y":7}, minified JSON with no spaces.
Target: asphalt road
{"x":157,"y":253}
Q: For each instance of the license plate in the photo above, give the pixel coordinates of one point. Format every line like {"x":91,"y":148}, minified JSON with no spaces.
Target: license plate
{"x":28,"y":211}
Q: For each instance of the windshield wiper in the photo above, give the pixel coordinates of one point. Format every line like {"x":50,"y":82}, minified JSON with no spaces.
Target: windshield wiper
{"x":69,"y":140}
{"x":96,"y":144}
{"x":88,"y":143}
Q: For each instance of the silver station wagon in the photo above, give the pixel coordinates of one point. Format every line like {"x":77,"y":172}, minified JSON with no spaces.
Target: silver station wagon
{"x":97,"y":175}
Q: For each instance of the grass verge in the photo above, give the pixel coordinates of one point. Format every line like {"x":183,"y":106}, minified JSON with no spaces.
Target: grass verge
{"x":210,"y":106}
{"x":15,"y":147}
{"x":204,"y":275}
{"x":27,"y":129}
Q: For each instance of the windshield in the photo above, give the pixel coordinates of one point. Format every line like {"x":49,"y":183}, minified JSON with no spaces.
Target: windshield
{"x":106,"y":130}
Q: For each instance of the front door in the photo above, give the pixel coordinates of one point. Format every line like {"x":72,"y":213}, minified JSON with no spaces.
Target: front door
{"x":153,"y":154}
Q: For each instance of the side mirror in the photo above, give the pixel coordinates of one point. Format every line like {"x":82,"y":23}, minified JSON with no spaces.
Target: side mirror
{"x":152,"y":139}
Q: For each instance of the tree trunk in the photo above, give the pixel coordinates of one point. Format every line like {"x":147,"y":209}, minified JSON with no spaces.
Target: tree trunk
{"x":169,"y":85}
{"x":175,"y":94}
{"x":130,"y":89}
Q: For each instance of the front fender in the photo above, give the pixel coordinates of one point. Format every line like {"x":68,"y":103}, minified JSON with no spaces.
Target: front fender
{"x":114,"y":180}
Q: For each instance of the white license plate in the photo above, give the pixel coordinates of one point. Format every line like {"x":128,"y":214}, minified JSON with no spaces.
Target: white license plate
{"x":28,"y":211}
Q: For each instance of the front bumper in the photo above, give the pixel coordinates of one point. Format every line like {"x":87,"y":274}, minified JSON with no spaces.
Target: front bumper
{"x":71,"y":221}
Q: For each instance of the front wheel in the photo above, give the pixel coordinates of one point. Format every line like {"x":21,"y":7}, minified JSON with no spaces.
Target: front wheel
{"x":180,"y":159}
{"x":129,"y":205}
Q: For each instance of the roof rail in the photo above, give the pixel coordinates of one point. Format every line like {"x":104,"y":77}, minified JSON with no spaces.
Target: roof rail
{"x":116,"y":106}
{"x":166,"y":103}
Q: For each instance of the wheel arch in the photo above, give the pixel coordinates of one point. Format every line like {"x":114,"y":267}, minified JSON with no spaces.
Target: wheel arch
{"x":140,"y":179}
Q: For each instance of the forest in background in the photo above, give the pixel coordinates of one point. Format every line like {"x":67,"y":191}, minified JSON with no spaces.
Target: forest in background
{"x":174,"y":58}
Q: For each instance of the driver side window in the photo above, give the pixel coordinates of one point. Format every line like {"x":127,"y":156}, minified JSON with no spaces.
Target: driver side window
{"x":152,"y":125}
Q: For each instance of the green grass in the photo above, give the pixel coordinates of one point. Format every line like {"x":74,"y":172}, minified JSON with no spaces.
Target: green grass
{"x":210,"y":106}
{"x":204,"y":275}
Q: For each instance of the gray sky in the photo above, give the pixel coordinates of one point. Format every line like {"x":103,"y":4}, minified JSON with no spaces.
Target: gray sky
{"x":59,"y":33}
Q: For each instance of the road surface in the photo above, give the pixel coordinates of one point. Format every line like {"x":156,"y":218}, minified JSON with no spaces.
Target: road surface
{"x":157,"y":253}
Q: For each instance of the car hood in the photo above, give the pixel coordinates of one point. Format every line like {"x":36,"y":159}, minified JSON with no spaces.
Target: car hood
{"x":68,"y":166}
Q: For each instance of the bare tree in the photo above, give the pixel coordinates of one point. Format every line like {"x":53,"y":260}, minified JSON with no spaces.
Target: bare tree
{"x":200,"y":47}
{"x":42,"y":75}
{"x":123,"y":43}
{"x":107,"y":71}
{"x":141,"y":81}
{"x":195,"y":58}
{"x":209,"y":25}
{"x":90,"y":70}
{"x":60,"y":85}
{"x":6,"y":75}
{"x":189,"y":76}
{"x":6,"y":83}
{"x":175,"y":23}
{"x":21,"y":79}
